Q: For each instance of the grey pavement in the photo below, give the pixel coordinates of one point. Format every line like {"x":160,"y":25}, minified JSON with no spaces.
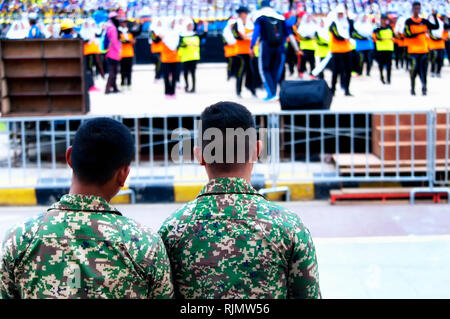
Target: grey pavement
{"x":364,"y":251}
{"x":146,"y":97}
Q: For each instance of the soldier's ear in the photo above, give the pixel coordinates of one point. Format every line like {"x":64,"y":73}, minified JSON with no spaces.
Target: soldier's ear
{"x":69,"y":156}
{"x":122,"y":175}
{"x":198,"y":154}
{"x":258,"y":150}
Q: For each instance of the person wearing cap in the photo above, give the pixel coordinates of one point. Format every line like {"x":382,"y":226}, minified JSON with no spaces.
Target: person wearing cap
{"x":341,"y":29}
{"x":384,"y":42}
{"x":416,"y":29}
{"x":127,"y":53}
{"x":113,"y":48}
{"x":272,"y":31}
{"x":35,"y":32}
{"x":67,"y":27}
{"x":242,"y":31}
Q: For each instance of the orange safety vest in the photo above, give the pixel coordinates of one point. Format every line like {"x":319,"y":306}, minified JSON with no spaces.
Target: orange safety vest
{"x":91,"y":48}
{"x":339,"y":46}
{"x":445,"y":36}
{"x":127,"y":48}
{"x":418,"y":44}
{"x":243,"y":46}
{"x":402,"y":42}
{"x":230,"y":50}
{"x":169,"y":56}
{"x":156,"y":47}
{"x":436,"y":44}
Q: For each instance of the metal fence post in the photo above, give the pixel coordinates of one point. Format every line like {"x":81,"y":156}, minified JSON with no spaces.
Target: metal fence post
{"x":431,"y":161}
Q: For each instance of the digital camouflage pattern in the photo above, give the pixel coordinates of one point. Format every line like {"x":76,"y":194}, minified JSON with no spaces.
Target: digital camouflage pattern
{"x":231,"y":242}
{"x":82,"y":247}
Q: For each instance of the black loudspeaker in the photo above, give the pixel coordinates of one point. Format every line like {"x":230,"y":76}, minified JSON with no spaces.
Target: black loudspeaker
{"x":305,"y":95}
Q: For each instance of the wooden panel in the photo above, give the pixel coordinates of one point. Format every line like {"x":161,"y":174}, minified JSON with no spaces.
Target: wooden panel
{"x":404,"y":134}
{"x":21,"y":48}
{"x":17,"y":86}
{"x":24,"y":68}
{"x":63,"y":67}
{"x":27,"y":104}
{"x":64,"y":85}
{"x":403,"y":119}
{"x":55,"y":49}
{"x":62,"y":104}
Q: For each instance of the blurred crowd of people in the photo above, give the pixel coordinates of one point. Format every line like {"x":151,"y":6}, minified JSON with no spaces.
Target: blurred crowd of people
{"x":346,"y":40}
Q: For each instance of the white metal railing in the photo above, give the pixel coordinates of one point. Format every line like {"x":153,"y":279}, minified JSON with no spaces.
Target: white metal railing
{"x":323,"y":146}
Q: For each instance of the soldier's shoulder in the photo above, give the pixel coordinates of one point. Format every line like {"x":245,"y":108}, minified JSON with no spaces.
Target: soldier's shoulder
{"x":175,"y":224}
{"x":280,"y":215}
{"x":19,"y":235}
{"x":181,"y":214}
{"x":133,"y":230}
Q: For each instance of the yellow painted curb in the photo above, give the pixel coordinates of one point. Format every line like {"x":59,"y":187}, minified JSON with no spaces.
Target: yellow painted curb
{"x":299,"y":190}
{"x":18,"y":196}
{"x":122,"y":199}
{"x":379,"y":184}
{"x":185,"y":192}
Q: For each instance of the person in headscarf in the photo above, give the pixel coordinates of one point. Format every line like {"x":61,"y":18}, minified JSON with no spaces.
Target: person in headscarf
{"x":242,"y":31}
{"x":230,"y":47}
{"x":322,"y":43}
{"x":91,"y":51}
{"x":16,"y":31}
{"x":127,"y":54}
{"x":341,"y":28}
{"x":170,"y":58}
{"x":307,"y":30}
{"x":400,"y":48}
{"x":364,"y":43}
{"x":156,"y":44}
{"x":436,"y":44}
{"x":189,"y":52}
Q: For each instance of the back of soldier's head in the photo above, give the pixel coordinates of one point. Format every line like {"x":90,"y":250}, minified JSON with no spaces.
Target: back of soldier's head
{"x":228,"y":136}
{"x":101,"y":146}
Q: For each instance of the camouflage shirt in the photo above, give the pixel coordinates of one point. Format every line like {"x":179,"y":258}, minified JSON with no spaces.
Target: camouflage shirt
{"x":231,"y":242}
{"x":82,"y":247}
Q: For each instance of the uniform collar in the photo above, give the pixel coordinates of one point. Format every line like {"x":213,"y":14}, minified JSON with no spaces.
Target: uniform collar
{"x":226,"y":185}
{"x":85,"y":203}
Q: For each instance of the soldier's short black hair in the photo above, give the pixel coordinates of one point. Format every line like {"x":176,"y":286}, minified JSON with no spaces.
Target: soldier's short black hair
{"x":416,"y":3}
{"x":223,"y":116}
{"x":100,"y":147}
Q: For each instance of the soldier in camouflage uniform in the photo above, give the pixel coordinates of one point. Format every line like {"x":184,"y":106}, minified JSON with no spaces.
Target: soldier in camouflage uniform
{"x":231,"y":242}
{"x":82,"y":247}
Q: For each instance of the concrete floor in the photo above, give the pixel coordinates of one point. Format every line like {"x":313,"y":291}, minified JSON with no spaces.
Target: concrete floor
{"x":146,"y":97}
{"x":364,"y":251}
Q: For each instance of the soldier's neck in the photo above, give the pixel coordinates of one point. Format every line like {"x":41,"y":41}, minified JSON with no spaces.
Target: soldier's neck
{"x":245,"y":175}
{"x":78,"y":188}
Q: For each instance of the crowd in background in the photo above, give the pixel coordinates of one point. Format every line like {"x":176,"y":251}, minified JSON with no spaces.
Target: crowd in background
{"x":344,"y":36}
